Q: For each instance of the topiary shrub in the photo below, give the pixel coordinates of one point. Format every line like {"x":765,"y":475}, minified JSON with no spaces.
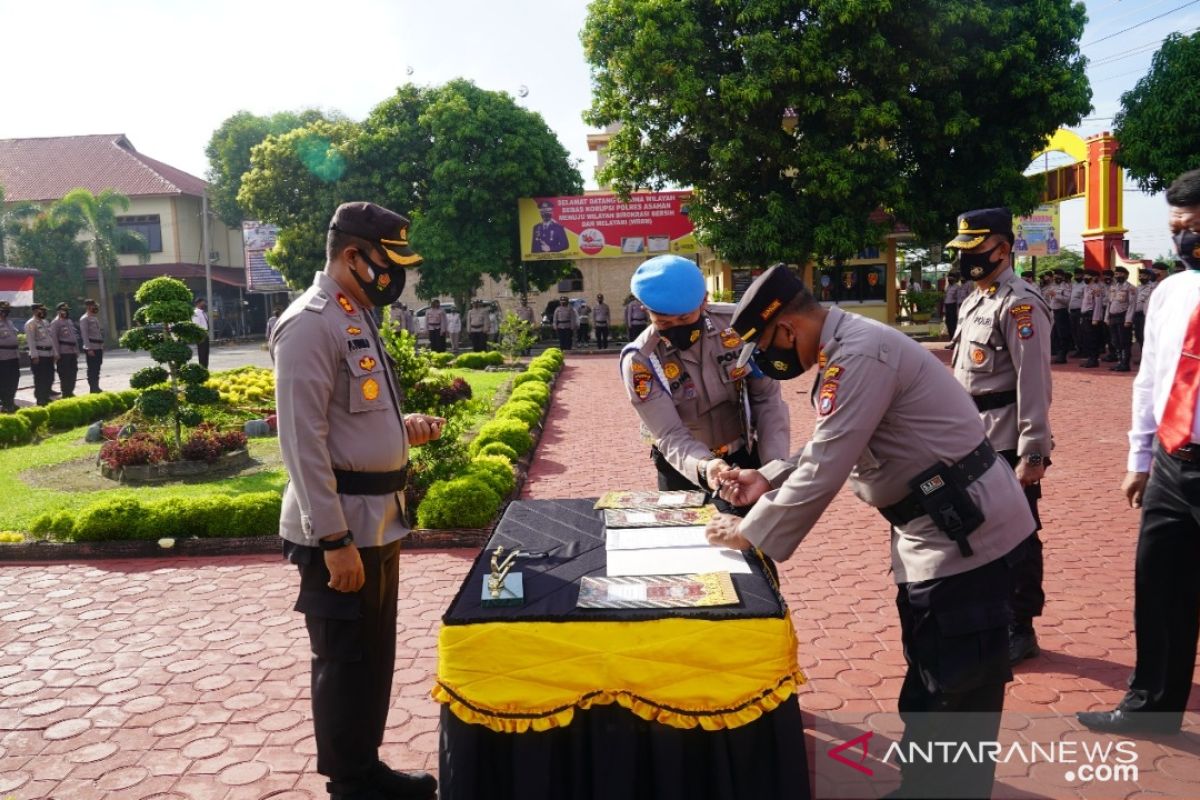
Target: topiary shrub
{"x":66,"y":414}
{"x":525,"y":410}
{"x":38,"y":417}
{"x":128,"y":398}
{"x":496,"y":470}
{"x":499,"y":449}
{"x":54,"y":525}
{"x":533,"y":374}
{"x":254,"y":514}
{"x":441,"y":360}
{"x":512,"y":432}
{"x":467,"y":502}
{"x":115,"y":518}
{"x":14,"y":430}
{"x":534,"y":392}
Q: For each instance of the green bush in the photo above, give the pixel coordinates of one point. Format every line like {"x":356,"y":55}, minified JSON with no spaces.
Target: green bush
{"x":512,"y":432}
{"x":115,"y":518}
{"x":146,"y":377}
{"x":467,"y":502}
{"x":180,"y":517}
{"x":38,"y":416}
{"x":14,"y":429}
{"x":496,"y":470}
{"x":479,"y":360}
{"x":534,"y":374}
{"x":128,"y":398}
{"x":66,"y":414}
{"x":441,"y":360}
{"x":534,"y":392}
{"x":499,"y":449}
{"x":54,"y":525}
{"x":524,"y":410}
{"x":254,"y":514}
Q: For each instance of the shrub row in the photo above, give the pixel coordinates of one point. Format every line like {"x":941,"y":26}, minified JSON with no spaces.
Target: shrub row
{"x":62,"y":415}
{"x":491,"y":358}
{"x":253,"y":514}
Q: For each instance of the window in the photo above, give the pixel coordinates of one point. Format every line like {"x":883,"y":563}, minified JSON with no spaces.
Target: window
{"x":148,"y":226}
{"x":855,"y":283}
{"x":572,"y":283}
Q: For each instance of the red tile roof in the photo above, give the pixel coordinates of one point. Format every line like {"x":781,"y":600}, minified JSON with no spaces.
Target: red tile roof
{"x":46,"y":169}
{"x":231,"y":276}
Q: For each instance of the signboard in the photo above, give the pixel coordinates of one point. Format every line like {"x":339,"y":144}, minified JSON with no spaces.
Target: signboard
{"x":1037,"y":234}
{"x":257,"y":239}
{"x":602,"y":226}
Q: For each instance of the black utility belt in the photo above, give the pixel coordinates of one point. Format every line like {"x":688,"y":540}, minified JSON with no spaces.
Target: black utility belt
{"x":598,"y":323}
{"x":95,"y":341}
{"x":8,"y":347}
{"x":435,"y":330}
{"x":349,"y":482}
{"x":988,"y":402}
{"x":940,"y":493}
{"x":47,"y":351}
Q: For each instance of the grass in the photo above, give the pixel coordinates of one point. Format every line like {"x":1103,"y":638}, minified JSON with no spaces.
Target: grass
{"x":25,"y":500}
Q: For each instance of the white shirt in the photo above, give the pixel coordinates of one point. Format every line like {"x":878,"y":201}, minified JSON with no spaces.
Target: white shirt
{"x":1167,"y":316}
{"x":200,"y":318}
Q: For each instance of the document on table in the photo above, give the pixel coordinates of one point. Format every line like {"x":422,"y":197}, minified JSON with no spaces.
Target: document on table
{"x":668,"y":551}
{"x":645,"y":538}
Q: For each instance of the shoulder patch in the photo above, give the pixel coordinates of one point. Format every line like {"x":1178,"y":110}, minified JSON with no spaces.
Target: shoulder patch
{"x":1017,"y":311}
{"x":317,"y":302}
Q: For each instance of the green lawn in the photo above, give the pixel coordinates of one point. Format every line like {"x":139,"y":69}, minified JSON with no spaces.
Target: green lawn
{"x":59,"y":473}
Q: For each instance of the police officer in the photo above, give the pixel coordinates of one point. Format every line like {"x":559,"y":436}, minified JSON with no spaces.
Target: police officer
{"x":10,"y":360}
{"x":92,"y":333}
{"x":1089,"y":326}
{"x":584,"y":313}
{"x":951,"y":303}
{"x":956,"y":510}
{"x":636,"y":318}
{"x":1146,"y":283}
{"x":477,"y":324}
{"x":601,"y":317}
{"x":1059,"y":298}
{"x":700,"y":409}
{"x":1002,"y":359}
{"x":1118,"y":315}
{"x":565,"y":321}
{"x":1075,"y":308}
{"x":525,"y":314}
{"x":43,"y":353}
{"x":63,"y":333}
{"x":1107,"y":345}
{"x":345,"y":445}
{"x":435,"y":326}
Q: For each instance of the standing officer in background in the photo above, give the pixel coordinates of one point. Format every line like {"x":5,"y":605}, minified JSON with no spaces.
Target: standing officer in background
{"x":950,"y":305}
{"x":601,"y":316}
{"x":958,"y":519}
{"x":477,"y":325}
{"x":345,"y":444}
{"x":1060,"y":307}
{"x":435,"y":326}
{"x":585,"y":322}
{"x":1089,"y":326}
{"x":1075,"y":309}
{"x":200,"y":317}
{"x":1107,"y":345}
{"x":1146,"y":284}
{"x":635,"y":318}
{"x":565,"y":321}
{"x":1118,"y":314}
{"x":63,"y":333}
{"x":525,"y":314}
{"x":702,"y":411}
{"x":10,"y":361}
{"x":92,"y":333}
{"x":1164,"y":482}
{"x":43,"y":353}
{"x":1002,"y":359}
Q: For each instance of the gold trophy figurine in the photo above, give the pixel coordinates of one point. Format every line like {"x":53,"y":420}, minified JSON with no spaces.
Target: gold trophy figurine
{"x":503,"y":587}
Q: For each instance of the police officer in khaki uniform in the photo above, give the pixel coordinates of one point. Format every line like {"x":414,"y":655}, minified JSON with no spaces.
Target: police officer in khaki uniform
{"x":1146,"y":284}
{"x":525,"y":314}
{"x":601,"y":318}
{"x":345,"y":445}
{"x":1090,"y":341}
{"x":1118,"y":315}
{"x":93,"y":341}
{"x":636,"y":318}
{"x":565,"y":321}
{"x":1100,"y":318}
{"x":701,"y":410}
{"x":43,"y":353}
{"x":435,"y":326}
{"x":950,"y":304}
{"x":1059,"y":298}
{"x":63,"y":332}
{"x":1002,"y":358}
{"x":956,"y":510}
{"x":477,"y":326}
{"x":10,"y":360}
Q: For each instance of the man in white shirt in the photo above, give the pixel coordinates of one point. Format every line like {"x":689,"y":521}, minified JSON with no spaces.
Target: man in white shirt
{"x":1164,"y":481}
{"x":200,"y":317}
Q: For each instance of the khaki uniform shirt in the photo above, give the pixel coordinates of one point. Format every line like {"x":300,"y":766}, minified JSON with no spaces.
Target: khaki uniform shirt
{"x":1122,"y":297}
{"x":600,"y":314}
{"x":1143,"y":295}
{"x":1060,"y":297}
{"x":692,"y":402}
{"x":1003,"y":344}
{"x":635,"y":314}
{"x":1078,"y":289}
{"x":477,"y":320}
{"x":525,"y":314}
{"x":93,"y":333}
{"x":338,"y":407}
{"x":38,"y":341}
{"x":435,"y":319}
{"x":565,"y":317}
{"x":8,"y":341}
{"x":874,"y":426}
{"x":1099,"y":301}
{"x":63,"y":333}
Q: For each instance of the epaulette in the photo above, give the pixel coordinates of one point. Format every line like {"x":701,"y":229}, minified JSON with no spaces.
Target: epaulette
{"x":317,"y":302}
{"x":722,"y":309}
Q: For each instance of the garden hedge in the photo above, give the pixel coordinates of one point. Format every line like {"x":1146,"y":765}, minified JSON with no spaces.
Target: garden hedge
{"x":512,"y":432}
{"x":496,"y":471}
{"x":527,"y":411}
{"x":499,"y":449}
{"x":14,"y":429}
{"x":252,"y":514}
{"x":491,"y":358}
{"x":467,"y":502}
{"x":534,"y":392}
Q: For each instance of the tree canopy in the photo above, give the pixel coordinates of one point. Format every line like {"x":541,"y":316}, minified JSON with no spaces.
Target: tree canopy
{"x":48,"y":241}
{"x":796,"y":121}
{"x":453,"y":158}
{"x":1156,"y":125}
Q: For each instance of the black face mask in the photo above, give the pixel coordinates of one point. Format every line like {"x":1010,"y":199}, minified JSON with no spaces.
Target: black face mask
{"x":779,"y":363}
{"x":978,"y":265}
{"x":684,"y":336}
{"x":387,"y":286}
{"x":1121,"y":279}
{"x":1187,"y":243}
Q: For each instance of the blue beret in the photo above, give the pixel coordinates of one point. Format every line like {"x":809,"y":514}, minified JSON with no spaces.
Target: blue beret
{"x":668,"y":285}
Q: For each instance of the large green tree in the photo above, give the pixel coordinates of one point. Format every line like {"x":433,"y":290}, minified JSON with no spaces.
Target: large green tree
{"x":797,"y":120}
{"x":228,"y":154}
{"x":1156,"y":125}
{"x":49,"y":242}
{"x":12,"y":217}
{"x":455,"y":158}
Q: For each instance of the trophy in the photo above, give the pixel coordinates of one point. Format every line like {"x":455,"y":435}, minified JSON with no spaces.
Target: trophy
{"x":502,"y":587}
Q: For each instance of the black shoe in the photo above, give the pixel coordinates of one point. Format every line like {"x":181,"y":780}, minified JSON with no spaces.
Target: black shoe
{"x":1090,"y":363}
{"x":397,"y":785}
{"x":1110,"y":359}
{"x":1059,"y":360}
{"x":1121,"y":721}
{"x":353,"y":790}
{"x":1022,"y":644}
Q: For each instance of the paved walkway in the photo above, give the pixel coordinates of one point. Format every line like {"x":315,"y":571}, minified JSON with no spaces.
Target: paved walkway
{"x":181,"y":679}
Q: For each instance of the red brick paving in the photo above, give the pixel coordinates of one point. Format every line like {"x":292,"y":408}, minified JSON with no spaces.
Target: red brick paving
{"x":182,"y":679}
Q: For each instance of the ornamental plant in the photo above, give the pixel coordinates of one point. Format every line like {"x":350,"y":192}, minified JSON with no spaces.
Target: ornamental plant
{"x":174,"y":389}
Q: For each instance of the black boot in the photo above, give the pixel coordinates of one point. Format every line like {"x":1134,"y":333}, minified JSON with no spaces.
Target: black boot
{"x":1090,"y":363}
{"x":1022,"y":642}
{"x":396,"y":785}
{"x":1123,"y":366}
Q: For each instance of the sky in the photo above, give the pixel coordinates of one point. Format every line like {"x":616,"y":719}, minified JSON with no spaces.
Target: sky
{"x":167,"y":73}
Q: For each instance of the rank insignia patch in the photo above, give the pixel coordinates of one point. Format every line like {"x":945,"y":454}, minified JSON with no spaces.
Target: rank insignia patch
{"x":367,"y":363}
{"x":370,"y":389}
{"x":353,"y":330}
{"x":730,"y":339}
{"x":641,"y":385}
{"x":739,"y":373}
{"x":345,"y":303}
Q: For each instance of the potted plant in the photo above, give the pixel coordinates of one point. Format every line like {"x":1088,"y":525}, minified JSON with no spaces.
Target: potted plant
{"x":921,"y":305}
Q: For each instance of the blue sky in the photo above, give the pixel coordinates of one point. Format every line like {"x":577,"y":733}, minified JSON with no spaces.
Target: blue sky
{"x":167,"y":73}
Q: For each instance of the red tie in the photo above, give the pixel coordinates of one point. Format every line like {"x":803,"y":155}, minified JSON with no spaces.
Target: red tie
{"x":1175,"y":430}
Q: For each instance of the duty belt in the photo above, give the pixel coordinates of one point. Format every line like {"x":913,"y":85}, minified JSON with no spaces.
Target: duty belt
{"x":350,"y":482}
{"x":966,"y":471}
{"x":44,"y":349}
{"x":988,"y":402}
{"x":95,"y":341}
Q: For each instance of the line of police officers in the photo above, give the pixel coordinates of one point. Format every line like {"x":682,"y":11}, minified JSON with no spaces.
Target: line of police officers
{"x":52,"y":346}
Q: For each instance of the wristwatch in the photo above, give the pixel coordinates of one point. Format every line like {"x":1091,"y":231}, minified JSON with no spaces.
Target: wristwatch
{"x":337,"y":544}
{"x":1033,"y":459}
{"x":702,"y":469}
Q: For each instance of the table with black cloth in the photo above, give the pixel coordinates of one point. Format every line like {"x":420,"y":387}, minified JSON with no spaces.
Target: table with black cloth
{"x":545,"y":700}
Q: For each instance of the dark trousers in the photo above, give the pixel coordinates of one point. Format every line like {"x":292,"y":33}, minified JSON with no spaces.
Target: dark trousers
{"x":93,"y":370}
{"x":601,"y":336}
{"x":353,"y":639}
{"x":68,"y":373}
{"x":584,"y":328}
{"x":564,"y":338}
{"x":437,"y":341}
{"x":1093,"y":336}
{"x":43,"y":378}
{"x":1028,"y":599}
{"x":1120,"y":336}
{"x":478,"y":341}
{"x":955,"y":636}
{"x":635,"y":330}
{"x":671,"y":480}
{"x":202,"y":352}
{"x":10,"y":376}
{"x":1139,"y":327}
{"x":1077,"y":330}
{"x":1166,"y":605}
{"x":1061,"y":339}
{"x":950,"y":312}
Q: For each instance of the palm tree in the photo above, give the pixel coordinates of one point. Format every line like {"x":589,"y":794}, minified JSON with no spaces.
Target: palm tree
{"x":12,"y":216}
{"x":98,"y":213}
